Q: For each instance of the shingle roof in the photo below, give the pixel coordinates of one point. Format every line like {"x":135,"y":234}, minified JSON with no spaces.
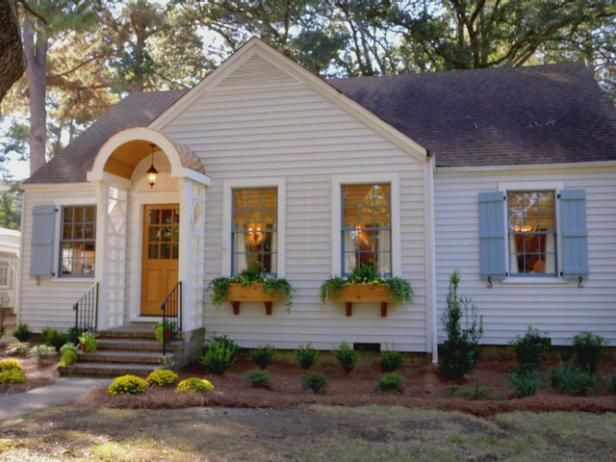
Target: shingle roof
{"x":506,"y":116}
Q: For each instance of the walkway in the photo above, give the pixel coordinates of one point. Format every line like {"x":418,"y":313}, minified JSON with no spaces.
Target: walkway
{"x":61,"y":391}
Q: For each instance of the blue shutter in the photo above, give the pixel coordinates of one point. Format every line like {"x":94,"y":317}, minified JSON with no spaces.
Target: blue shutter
{"x":574,"y":237}
{"x":43,"y":239}
{"x":492,"y":236}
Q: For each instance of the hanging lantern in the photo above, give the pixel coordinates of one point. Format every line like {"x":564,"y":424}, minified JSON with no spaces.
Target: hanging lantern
{"x":152,"y":173}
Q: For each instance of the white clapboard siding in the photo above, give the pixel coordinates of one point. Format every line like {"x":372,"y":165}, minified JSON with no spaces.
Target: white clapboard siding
{"x":251,"y":126}
{"x":49,"y":303}
{"x":562,"y":310}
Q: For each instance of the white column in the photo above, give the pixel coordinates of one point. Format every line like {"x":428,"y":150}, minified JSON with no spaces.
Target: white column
{"x":186,"y":253}
{"x":102,"y":196}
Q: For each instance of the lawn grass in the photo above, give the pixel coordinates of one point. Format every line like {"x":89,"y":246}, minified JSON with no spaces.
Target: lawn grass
{"x":310,"y":434}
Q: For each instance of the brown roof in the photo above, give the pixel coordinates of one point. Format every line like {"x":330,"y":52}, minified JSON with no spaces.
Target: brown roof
{"x":506,"y":116}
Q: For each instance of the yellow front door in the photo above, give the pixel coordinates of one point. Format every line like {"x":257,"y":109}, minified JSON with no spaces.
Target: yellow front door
{"x":159,"y":275}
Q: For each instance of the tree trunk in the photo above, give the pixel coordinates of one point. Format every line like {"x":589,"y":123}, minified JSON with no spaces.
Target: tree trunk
{"x":35,"y":48}
{"x":11,"y":56}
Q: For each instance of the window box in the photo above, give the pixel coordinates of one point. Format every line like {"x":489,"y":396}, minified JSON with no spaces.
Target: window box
{"x":364,"y":293}
{"x":249,"y":293}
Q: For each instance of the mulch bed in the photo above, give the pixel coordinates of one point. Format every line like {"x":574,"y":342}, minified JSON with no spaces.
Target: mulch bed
{"x":38,"y":374}
{"x":424,"y":389}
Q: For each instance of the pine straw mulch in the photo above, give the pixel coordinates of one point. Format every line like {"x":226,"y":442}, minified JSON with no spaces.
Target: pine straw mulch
{"x":38,"y":373}
{"x":424,"y":389}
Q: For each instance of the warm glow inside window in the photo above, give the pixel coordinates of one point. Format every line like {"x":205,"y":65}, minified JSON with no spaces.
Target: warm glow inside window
{"x":78,"y":243}
{"x":366,"y":227}
{"x":255,"y":229}
{"x":532,"y":233}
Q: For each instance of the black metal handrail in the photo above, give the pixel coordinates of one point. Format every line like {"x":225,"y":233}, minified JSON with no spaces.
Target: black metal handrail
{"x":172,"y":315}
{"x":86,"y":310}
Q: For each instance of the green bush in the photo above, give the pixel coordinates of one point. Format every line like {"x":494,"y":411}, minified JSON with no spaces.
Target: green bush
{"x":460,"y":352}
{"x":263,"y":355}
{"x":611,"y":384}
{"x":10,"y":364}
{"x":573,"y":379}
{"x":346,"y":356}
{"x":12,"y":376}
{"x":69,"y":346}
{"x":194,"y":385}
{"x":67,"y":358}
{"x":258,"y":378}
{"x":73,"y":334}
{"x":391,"y":381}
{"x":530,"y":349}
{"x":588,"y":350}
{"x":219,"y":355}
{"x":306,"y":356}
{"x":127,"y":385}
{"x":391,"y":360}
{"x":22,"y":333}
{"x":54,"y":338}
{"x":524,"y":382}
{"x":476,"y":393}
{"x":162,"y":378}
{"x":314,"y":381}
{"x":87,"y":340}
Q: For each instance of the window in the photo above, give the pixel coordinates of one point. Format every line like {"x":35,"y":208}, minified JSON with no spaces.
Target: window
{"x":532,"y":233}
{"x":254,"y":232}
{"x":6,"y":275}
{"x":78,"y":241}
{"x":366,"y":227}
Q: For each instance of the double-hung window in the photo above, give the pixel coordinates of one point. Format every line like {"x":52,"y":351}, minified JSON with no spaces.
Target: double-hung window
{"x":254,"y":233}
{"x":6,"y":275}
{"x":366,"y":227}
{"x":78,"y":241}
{"x":532,"y":233}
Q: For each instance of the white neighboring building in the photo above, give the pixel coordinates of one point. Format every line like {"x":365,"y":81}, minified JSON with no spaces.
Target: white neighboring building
{"x":9,"y":258}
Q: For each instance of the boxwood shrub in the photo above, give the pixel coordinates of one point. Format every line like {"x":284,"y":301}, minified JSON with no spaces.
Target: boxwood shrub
{"x":162,"y":378}
{"x":127,"y":385}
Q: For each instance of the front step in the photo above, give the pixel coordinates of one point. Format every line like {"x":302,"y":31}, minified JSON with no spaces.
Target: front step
{"x":129,"y":332}
{"x":107,"y":369}
{"x":124,"y":344}
{"x":120,"y":356}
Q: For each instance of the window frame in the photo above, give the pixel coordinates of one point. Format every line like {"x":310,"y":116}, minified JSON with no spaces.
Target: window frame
{"x":4,"y":264}
{"x":60,"y":241}
{"x":234,"y":233}
{"x":344,"y":228}
{"x":533,"y":186}
{"x":248,"y":183}
{"x":337,"y":181}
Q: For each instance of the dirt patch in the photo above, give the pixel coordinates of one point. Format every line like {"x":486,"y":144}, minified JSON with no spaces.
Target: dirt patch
{"x":424,"y":390}
{"x":38,"y":373}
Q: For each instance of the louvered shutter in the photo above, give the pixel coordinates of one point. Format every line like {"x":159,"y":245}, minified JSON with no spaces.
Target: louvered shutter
{"x":43,"y":238}
{"x":492,"y":236}
{"x":574,"y":236}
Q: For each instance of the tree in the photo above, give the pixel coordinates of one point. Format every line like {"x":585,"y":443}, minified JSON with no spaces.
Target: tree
{"x":12,"y":61}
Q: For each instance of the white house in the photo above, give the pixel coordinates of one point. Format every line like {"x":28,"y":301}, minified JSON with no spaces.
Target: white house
{"x":9,"y":258}
{"x":508,"y":175}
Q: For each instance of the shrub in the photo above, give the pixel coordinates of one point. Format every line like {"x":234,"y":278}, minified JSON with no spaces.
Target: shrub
{"x":9,"y":364}
{"x":54,"y":338}
{"x":219,"y":355}
{"x":391,"y":360}
{"x":42,"y":352}
{"x":391,"y":381}
{"x":127,"y":385}
{"x":587,"y":350}
{"x":162,"y":378}
{"x":68,"y":346}
{"x":194,"y":385}
{"x":476,"y":393}
{"x":73,"y":334}
{"x":460,"y":352}
{"x":611,"y":384}
{"x":162,"y":330}
{"x":22,"y":333}
{"x":306,"y":356}
{"x":530,"y":348}
{"x":524,"y":382}
{"x":258,"y":378}
{"x":67,"y":358}
{"x":17,"y":348}
{"x":262,"y":356}
{"x":573,"y":379}
{"x":87,"y":340}
{"x":314,"y":381}
{"x":12,"y":376}
{"x":346,"y":356}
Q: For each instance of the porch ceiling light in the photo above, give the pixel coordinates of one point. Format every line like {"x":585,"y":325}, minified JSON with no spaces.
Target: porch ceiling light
{"x":152,"y":173}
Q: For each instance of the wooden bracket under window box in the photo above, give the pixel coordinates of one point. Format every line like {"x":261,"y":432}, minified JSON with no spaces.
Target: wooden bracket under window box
{"x":364,"y":293}
{"x":239,"y":293}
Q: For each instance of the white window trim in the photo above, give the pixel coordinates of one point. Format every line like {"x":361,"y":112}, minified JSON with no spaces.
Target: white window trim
{"x":9,"y":274}
{"x":555,"y":186}
{"x":281,"y":195}
{"x":68,"y":202}
{"x":336,"y":220}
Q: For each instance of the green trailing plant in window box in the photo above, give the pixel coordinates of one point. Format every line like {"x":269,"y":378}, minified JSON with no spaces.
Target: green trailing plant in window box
{"x":400,"y":289}
{"x":278,"y":288}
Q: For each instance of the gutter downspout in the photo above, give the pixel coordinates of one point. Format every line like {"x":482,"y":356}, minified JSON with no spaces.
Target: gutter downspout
{"x":432,"y":257}
{"x":20,"y":259}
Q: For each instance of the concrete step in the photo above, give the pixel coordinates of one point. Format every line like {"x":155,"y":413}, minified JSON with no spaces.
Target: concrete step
{"x":120,"y":356}
{"x":107,"y":369}
{"x":104,"y":344}
{"x":128,"y":333}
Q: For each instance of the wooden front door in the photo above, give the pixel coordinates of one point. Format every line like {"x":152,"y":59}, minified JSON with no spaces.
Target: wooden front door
{"x":161,"y":229}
